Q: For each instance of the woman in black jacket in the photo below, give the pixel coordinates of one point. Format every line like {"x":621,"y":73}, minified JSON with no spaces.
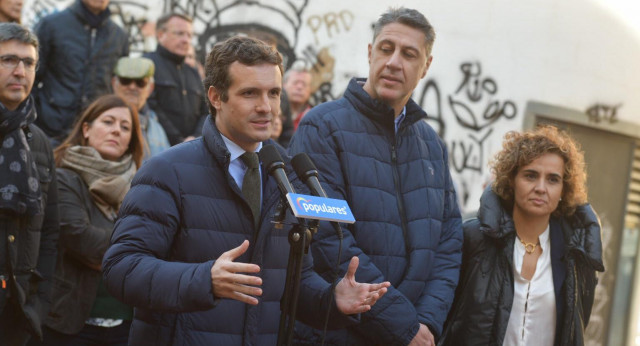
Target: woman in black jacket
{"x":96,"y":164}
{"x":530,"y":258}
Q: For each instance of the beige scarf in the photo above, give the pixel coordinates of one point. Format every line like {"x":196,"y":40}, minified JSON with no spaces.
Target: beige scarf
{"x":108,"y":181}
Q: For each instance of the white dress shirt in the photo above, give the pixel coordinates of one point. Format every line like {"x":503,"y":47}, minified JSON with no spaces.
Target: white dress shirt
{"x":237,"y":168}
{"x":533,"y":315}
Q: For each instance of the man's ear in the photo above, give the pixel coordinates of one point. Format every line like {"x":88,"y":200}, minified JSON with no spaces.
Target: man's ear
{"x":426,"y":68}
{"x":369,"y":47}
{"x":214,"y":98}
{"x":160,"y":33}
{"x":113,"y":82}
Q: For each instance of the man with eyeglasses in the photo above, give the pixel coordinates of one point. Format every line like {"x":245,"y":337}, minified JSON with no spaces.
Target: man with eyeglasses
{"x":79,"y":47}
{"x":133,"y":82}
{"x":178,"y":97}
{"x":29,"y":220}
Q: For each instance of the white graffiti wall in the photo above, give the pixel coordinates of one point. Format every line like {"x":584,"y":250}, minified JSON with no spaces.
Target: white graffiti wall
{"x":490,"y":58}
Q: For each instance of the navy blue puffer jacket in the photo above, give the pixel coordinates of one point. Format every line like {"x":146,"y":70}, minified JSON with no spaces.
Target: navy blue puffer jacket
{"x":408,"y":227}
{"x":183,"y":211}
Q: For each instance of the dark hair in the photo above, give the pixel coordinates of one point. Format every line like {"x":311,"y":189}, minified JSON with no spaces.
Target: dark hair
{"x":162,"y":21}
{"x":245,"y":50}
{"x":14,"y":31}
{"x":95,"y":109}
{"x":408,"y":17}
{"x":521,"y":148}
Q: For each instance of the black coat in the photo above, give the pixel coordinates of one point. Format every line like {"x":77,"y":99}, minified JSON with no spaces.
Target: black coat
{"x":84,"y":238}
{"x":178,"y":96}
{"x":484,"y":296}
{"x":76,"y":65}
{"x":29,"y":244}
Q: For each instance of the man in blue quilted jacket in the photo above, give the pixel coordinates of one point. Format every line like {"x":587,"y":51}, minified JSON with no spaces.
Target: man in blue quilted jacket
{"x":201,"y":263}
{"x":374,"y":149}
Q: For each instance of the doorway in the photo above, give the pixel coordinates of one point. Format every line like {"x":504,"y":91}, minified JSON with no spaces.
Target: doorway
{"x":612,"y":157}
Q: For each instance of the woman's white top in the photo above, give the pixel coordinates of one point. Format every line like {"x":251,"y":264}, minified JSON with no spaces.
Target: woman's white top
{"x":533,"y":315}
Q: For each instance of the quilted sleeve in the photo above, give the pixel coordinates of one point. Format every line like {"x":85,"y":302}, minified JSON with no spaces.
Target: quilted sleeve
{"x":135,"y":267}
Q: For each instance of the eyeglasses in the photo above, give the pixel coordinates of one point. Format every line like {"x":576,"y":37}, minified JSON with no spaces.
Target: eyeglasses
{"x":181,"y":33}
{"x":12,"y":61}
{"x":141,"y":83}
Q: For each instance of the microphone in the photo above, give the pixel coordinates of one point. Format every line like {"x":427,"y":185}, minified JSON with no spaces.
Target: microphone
{"x":307,"y":171}
{"x":274,"y":164}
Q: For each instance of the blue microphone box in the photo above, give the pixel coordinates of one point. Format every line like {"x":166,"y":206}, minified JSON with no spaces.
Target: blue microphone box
{"x":320,"y":208}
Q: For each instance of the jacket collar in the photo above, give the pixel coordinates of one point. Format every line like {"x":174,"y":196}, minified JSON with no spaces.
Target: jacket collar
{"x":378,"y":111}
{"x":88,"y":18}
{"x":581,"y":231}
{"x":214,"y":143}
{"x":175,"y":58}
{"x":218,"y":149}
{"x":495,"y":221}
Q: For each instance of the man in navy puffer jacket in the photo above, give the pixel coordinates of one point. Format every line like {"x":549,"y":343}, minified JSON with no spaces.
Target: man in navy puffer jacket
{"x":374,"y":149}
{"x":187,"y":251}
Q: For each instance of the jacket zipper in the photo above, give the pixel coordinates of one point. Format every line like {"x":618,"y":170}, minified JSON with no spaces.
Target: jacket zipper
{"x":83,"y":94}
{"x":396,"y":183}
{"x":93,"y":37}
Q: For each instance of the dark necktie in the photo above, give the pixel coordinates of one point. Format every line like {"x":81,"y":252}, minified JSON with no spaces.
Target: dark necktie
{"x":251,"y":184}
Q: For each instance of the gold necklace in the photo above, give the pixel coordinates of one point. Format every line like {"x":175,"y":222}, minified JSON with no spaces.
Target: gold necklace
{"x":529,"y":247}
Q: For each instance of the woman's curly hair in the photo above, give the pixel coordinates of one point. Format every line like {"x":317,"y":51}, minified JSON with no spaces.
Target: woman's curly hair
{"x":521,"y":148}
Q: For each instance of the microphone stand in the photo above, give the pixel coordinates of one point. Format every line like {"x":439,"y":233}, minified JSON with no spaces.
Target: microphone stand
{"x":299,"y":238}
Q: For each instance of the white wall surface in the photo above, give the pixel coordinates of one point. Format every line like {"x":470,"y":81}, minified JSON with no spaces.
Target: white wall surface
{"x":569,"y":53}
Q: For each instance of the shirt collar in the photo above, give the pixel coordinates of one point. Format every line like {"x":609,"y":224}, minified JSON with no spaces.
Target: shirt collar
{"x":235,"y":149}
{"x":544,"y":240}
{"x":398,"y":120}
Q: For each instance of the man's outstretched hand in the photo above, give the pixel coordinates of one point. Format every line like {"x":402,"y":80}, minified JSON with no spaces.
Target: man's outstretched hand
{"x":354,"y":297}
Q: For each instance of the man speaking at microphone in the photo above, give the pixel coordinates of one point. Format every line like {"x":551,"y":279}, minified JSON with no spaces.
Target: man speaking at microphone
{"x":375,"y":150}
{"x":194,"y":249}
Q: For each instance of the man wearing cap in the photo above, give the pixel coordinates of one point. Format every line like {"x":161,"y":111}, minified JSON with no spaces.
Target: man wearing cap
{"x":133,"y":82}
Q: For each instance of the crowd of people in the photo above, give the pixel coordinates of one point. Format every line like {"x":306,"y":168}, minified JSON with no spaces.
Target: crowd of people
{"x":135,"y":209}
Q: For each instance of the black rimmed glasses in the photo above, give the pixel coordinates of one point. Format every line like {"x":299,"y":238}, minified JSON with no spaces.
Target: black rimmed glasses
{"x":12,"y":61}
{"x":141,"y":83}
